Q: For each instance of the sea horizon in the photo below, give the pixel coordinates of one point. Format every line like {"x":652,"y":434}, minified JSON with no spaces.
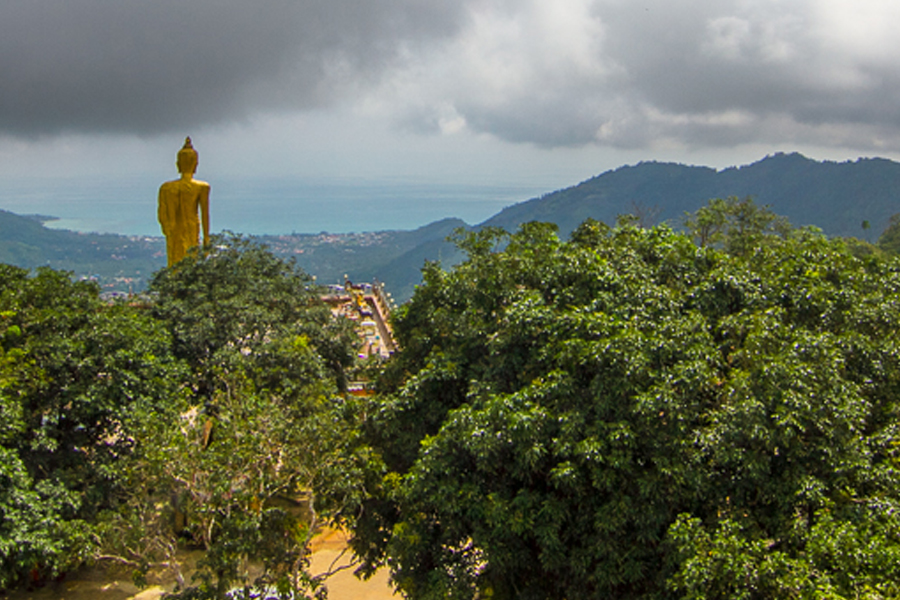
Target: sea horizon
{"x":264,"y":206}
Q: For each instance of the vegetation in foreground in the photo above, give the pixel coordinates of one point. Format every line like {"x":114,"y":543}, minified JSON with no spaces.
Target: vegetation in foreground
{"x":632,"y":413}
{"x":199,"y":418}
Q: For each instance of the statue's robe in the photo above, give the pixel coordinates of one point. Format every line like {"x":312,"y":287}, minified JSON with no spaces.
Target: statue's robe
{"x":181,"y":205}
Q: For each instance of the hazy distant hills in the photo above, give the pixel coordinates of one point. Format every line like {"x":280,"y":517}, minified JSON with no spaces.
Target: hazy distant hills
{"x":837,"y":197}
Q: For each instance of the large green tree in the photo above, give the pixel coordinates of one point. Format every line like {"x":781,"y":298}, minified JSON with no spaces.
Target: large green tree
{"x":75,"y":373}
{"x":739,"y":226}
{"x":203,"y":414}
{"x":257,"y":422}
{"x":230,"y":300}
{"x":889,"y":241}
{"x":626,"y":415}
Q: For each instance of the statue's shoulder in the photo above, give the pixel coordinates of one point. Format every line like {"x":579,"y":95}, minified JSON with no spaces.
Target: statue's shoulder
{"x":181,"y":185}
{"x":169,"y":185}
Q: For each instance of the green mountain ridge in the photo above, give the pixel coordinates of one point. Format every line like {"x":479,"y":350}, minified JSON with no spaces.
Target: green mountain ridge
{"x":836,"y":197}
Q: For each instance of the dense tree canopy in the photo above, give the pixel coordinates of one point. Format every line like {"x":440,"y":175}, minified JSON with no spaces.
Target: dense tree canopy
{"x":267,"y":362}
{"x":200,"y":415}
{"x":735,"y":225}
{"x":235,"y":298}
{"x":74,"y":375}
{"x":628,"y":415}
{"x":890,"y":239}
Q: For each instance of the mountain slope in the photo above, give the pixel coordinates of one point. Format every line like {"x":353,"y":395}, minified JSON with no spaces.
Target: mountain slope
{"x":836,"y":197}
{"x":118,"y":262}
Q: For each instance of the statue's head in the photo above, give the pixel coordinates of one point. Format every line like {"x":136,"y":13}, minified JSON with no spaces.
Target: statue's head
{"x":187,"y":158}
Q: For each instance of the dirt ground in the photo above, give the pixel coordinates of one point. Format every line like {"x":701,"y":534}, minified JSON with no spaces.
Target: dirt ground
{"x":97,"y":584}
{"x":326,"y":549}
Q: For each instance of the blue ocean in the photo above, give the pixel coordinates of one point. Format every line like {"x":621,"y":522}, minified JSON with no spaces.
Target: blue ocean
{"x":262,"y":206}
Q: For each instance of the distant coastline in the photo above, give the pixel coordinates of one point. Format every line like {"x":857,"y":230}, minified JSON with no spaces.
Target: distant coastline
{"x":262,"y":206}
{"x":42,"y":219}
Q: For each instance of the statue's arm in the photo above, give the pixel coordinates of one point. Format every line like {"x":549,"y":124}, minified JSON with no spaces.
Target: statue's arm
{"x":204,"y":212}
{"x":162,"y":212}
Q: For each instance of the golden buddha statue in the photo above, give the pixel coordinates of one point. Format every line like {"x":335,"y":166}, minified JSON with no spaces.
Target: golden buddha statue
{"x":179,"y":203}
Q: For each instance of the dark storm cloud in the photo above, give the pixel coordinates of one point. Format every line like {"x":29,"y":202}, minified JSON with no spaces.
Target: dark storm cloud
{"x":547,"y":72}
{"x":142,"y":66}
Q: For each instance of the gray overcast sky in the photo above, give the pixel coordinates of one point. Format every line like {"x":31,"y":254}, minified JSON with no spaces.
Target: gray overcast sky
{"x":549,"y":91}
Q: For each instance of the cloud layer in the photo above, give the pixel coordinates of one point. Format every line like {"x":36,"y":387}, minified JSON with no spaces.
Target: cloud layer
{"x":139,"y":66}
{"x":553,"y":73}
{"x":636,"y":74}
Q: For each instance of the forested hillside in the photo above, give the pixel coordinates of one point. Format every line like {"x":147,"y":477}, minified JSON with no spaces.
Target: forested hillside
{"x":848,"y":199}
{"x":836,"y":197}
{"x":116,"y":262}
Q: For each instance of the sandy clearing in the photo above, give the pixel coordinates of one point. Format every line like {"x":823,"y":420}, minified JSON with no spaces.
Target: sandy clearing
{"x":97,"y":584}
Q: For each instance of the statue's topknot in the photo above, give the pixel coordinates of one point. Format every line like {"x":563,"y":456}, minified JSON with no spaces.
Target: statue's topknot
{"x":187,"y":157}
